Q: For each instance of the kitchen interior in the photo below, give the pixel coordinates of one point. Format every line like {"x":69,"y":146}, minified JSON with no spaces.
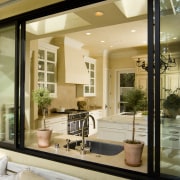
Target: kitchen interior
{"x":80,"y":57}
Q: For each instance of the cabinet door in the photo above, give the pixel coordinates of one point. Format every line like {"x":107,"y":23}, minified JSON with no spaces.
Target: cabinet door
{"x":89,"y":89}
{"x":47,"y":63}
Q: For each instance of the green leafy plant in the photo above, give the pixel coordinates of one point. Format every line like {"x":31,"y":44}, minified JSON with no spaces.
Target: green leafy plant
{"x":136,"y":100}
{"x":42,"y":98}
{"x":172,"y":104}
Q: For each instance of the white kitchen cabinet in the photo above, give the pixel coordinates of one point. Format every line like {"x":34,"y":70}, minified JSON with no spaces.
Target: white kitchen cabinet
{"x":112,"y":131}
{"x":57,"y":124}
{"x":141,"y":82}
{"x":97,"y":114}
{"x":47,"y":67}
{"x":88,"y":90}
{"x":118,"y":131}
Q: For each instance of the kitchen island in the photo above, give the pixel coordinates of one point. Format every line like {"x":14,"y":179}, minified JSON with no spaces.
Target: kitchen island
{"x":119,"y":128}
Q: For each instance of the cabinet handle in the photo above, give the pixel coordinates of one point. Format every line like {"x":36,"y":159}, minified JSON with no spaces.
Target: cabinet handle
{"x":173,"y":139}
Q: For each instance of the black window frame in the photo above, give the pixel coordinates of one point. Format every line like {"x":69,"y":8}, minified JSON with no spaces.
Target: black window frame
{"x":20,"y":21}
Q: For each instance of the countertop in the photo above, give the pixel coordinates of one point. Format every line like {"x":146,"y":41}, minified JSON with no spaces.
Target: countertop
{"x":115,"y":160}
{"x":125,"y":119}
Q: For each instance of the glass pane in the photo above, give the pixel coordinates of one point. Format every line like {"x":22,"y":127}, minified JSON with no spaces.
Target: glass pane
{"x":51,"y":67}
{"x":51,"y":88}
{"x":7,"y":67}
{"x":41,"y":54}
{"x":115,"y":54}
{"x":92,"y":74}
{"x":41,"y":65}
{"x":91,"y":89}
{"x":92,"y":82}
{"x":50,"y":77}
{"x":170,"y":88}
{"x":92,"y":66}
{"x":41,"y":76}
{"x":87,"y":65}
{"x":50,"y":56}
{"x":86,"y":89}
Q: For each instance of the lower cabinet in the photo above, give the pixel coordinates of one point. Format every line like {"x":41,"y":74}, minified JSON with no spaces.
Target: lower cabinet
{"x":57,"y":124}
{"x":97,"y":114}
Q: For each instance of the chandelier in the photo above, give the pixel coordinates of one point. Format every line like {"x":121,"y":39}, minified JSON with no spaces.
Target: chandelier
{"x":166,"y":62}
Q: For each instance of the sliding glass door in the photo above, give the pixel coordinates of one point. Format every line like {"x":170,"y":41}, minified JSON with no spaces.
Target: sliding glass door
{"x":7,"y":83}
{"x":170,"y":87}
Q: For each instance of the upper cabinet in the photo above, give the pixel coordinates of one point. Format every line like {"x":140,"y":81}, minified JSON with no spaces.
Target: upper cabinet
{"x":46,"y":67}
{"x":88,"y":89}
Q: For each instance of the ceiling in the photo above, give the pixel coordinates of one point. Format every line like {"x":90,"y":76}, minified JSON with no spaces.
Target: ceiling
{"x":122,"y":25}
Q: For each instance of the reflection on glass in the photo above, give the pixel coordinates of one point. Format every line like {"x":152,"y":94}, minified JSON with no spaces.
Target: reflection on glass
{"x":170,"y":89}
{"x":98,"y":63}
{"x":7,"y":81}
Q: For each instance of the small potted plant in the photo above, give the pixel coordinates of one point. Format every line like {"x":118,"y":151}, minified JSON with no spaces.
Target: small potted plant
{"x":133,"y":148}
{"x":42,"y":98}
{"x":172,"y":105}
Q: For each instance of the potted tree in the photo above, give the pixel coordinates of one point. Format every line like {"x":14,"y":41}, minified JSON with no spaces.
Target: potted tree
{"x":172,"y":105}
{"x":133,"y":148}
{"x":42,"y":98}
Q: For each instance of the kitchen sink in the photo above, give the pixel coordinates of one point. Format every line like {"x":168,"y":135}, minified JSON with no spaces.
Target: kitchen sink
{"x":98,"y":147}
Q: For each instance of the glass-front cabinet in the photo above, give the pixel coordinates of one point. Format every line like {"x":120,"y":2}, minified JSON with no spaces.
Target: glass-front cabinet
{"x":47,"y":63}
{"x":90,"y":89}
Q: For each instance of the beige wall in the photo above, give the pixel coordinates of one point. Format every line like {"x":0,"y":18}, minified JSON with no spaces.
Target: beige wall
{"x":118,"y":60}
{"x":22,"y":6}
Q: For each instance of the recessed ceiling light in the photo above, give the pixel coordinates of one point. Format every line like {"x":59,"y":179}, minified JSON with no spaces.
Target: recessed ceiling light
{"x":133,"y":30}
{"x":88,"y":33}
{"x":99,"y":13}
{"x":174,"y":38}
{"x":102,"y":41}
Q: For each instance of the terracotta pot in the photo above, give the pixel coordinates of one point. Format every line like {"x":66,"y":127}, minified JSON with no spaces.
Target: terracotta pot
{"x":44,"y":137}
{"x":133,"y":154}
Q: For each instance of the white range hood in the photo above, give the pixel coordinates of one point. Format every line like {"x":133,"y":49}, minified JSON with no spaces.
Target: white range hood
{"x":75,"y":68}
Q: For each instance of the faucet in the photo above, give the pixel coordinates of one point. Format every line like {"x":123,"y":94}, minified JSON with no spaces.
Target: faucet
{"x":83,"y":151}
{"x":67,"y":141}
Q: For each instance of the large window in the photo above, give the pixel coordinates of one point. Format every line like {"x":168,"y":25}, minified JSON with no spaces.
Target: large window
{"x":69,"y":41}
{"x":111,"y":36}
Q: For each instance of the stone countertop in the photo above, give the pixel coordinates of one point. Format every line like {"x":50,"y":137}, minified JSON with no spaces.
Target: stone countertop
{"x":125,"y":119}
{"x":115,"y":160}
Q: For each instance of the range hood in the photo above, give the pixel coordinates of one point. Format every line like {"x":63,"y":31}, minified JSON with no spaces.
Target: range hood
{"x":75,"y":67}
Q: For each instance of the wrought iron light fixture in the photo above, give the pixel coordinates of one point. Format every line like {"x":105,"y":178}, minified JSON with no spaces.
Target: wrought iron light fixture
{"x":166,"y":62}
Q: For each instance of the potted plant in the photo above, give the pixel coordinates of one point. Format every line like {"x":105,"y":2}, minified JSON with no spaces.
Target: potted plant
{"x":42,"y":98}
{"x":172,"y":105}
{"x":133,"y":148}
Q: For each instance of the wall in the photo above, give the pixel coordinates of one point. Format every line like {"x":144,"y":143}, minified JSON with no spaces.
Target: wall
{"x":118,"y":60}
